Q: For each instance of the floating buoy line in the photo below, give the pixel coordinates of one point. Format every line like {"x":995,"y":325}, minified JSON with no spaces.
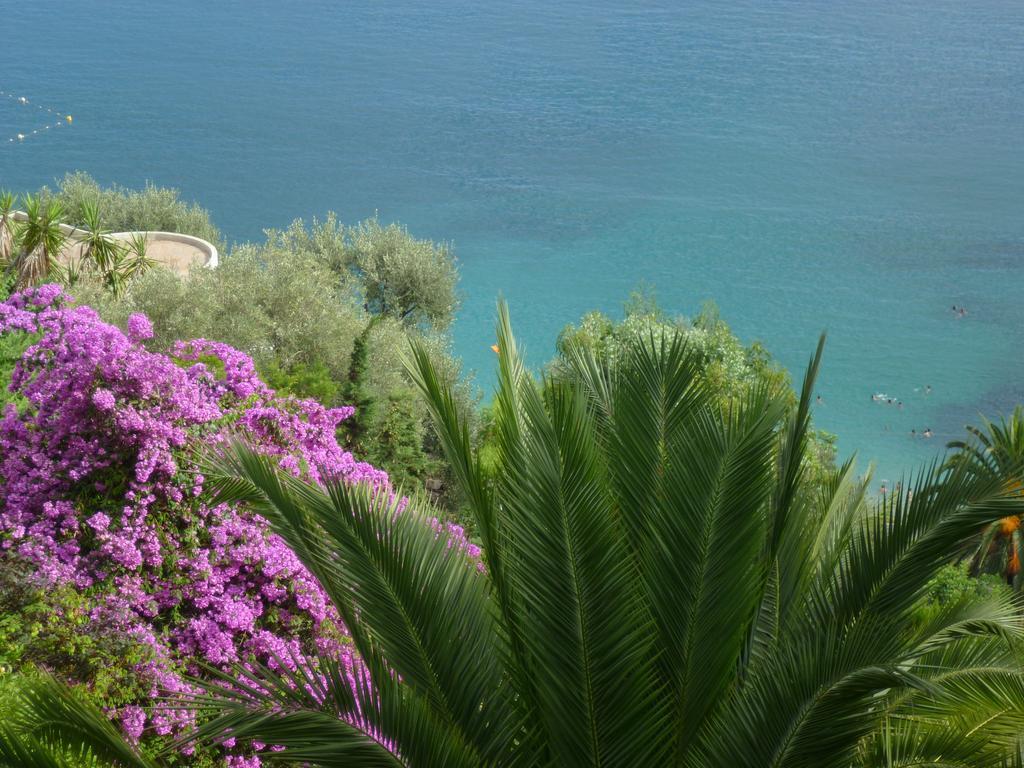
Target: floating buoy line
{"x":62,"y":118}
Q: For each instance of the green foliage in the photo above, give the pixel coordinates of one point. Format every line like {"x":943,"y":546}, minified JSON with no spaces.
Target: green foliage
{"x":727,"y":366}
{"x":324,"y":241}
{"x":126,"y":210}
{"x":12,"y":346}
{"x":358,"y":393}
{"x":954,"y":584}
{"x":46,"y":628}
{"x":37,"y":241}
{"x":394,"y":440}
{"x":305,"y":380}
{"x":389,"y":427}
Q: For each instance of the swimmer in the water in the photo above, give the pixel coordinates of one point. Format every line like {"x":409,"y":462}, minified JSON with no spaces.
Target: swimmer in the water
{"x":820,"y":401}
{"x":927,"y":389}
{"x":913,"y":433}
{"x":928,"y":432}
{"x":900,"y":405}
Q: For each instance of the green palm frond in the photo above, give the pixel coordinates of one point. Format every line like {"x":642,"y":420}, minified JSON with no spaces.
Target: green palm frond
{"x":996,"y":450}
{"x":588,"y":633}
{"x":48,"y":726}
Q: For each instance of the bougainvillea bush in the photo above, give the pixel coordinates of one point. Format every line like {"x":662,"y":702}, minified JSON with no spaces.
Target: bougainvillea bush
{"x":115,"y":569}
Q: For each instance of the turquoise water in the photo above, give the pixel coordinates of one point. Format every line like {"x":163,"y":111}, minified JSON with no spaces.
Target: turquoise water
{"x":856,"y":167}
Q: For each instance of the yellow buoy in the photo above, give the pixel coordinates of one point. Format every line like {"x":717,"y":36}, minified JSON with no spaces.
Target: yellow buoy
{"x":68,"y":118}
{"x":494,"y":348}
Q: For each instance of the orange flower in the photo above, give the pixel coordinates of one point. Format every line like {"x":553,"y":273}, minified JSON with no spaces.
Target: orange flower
{"x":1014,"y":567}
{"x":1008,"y":525}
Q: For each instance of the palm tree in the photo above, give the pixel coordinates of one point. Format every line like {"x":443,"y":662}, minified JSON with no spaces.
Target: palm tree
{"x":662,"y":585}
{"x":116,"y":263}
{"x":39,"y":240}
{"x":996,"y":451}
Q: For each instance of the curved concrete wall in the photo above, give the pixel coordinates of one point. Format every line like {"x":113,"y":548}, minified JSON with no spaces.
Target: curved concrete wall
{"x":173,"y":249}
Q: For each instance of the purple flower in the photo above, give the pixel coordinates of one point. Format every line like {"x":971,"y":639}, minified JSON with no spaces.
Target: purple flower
{"x":133,"y":720}
{"x":139,"y":327}
{"x":98,"y":522}
{"x":103,"y":399}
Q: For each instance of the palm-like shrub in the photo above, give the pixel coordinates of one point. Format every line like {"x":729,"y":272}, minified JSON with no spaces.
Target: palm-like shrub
{"x":660,"y":585}
{"x":996,"y":451}
{"x":137,"y":260}
{"x":99,"y":249}
{"x":39,"y":240}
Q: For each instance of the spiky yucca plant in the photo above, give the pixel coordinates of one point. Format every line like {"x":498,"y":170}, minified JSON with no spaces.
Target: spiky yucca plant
{"x":99,"y":250}
{"x":137,"y":260}
{"x":38,"y":241}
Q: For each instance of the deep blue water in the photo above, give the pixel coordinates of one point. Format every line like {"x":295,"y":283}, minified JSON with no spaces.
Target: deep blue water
{"x":856,"y":166}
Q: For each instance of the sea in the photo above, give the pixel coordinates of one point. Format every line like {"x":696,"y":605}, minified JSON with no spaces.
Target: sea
{"x":847,"y":166}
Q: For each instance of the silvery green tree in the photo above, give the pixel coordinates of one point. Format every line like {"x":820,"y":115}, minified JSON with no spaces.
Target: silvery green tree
{"x":403,"y":277}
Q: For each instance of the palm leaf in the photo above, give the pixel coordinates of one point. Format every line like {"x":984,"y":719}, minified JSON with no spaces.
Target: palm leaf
{"x":51,"y":727}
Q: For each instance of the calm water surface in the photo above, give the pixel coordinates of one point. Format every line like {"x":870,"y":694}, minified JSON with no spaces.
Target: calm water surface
{"x":856,"y":167}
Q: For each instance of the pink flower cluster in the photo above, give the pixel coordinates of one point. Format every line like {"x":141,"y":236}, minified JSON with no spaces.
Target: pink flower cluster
{"x":99,"y":490}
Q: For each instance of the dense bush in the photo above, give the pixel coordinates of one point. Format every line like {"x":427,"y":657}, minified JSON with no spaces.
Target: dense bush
{"x":282,"y":308}
{"x":116,"y":569}
{"x":124,"y":210}
{"x":729,"y":366}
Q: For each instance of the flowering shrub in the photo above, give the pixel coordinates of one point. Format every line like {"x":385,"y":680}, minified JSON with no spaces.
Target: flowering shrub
{"x":102,"y":504}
